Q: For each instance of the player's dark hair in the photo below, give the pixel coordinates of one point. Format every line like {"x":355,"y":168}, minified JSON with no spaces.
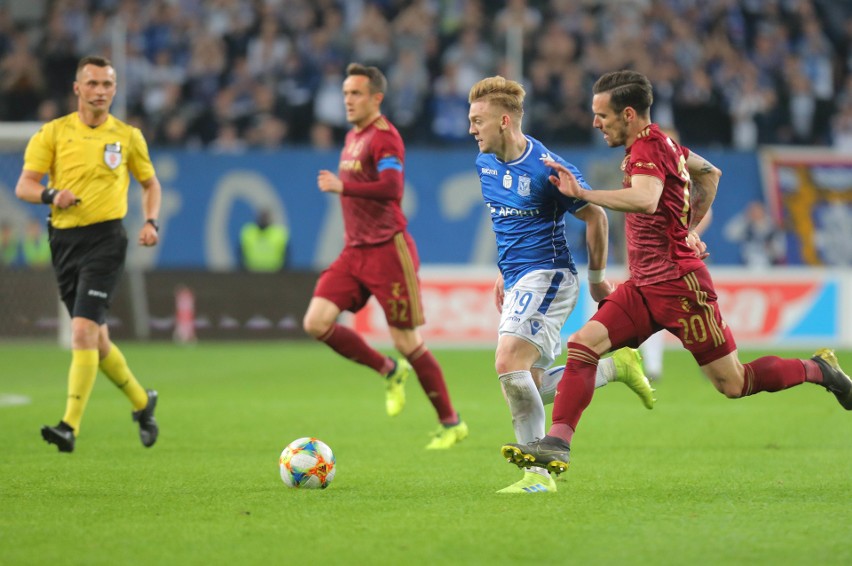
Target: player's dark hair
{"x":95,"y":60}
{"x":378,"y":82}
{"x":627,"y":88}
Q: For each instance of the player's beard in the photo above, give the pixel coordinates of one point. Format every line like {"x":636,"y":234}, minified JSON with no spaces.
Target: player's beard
{"x":617,"y":135}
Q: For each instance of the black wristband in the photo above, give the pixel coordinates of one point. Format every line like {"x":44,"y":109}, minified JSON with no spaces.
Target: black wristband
{"x":48,"y":195}
{"x":153,"y":222}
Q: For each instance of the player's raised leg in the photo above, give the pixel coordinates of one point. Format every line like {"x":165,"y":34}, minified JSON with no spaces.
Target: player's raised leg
{"x":629,"y":371}
{"x":320,"y":322}
{"x":624,"y":366}
{"x":114,"y":365}
{"x":451,"y":429}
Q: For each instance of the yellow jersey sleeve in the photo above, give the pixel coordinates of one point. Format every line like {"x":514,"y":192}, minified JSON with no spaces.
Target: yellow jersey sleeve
{"x":38,"y":156}
{"x":139,"y":161}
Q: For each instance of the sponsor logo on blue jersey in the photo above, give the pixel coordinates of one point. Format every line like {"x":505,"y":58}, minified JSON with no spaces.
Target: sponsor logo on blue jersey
{"x":510,"y":211}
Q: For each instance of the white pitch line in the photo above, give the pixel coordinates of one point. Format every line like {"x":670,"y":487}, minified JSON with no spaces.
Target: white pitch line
{"x":12,"y":400}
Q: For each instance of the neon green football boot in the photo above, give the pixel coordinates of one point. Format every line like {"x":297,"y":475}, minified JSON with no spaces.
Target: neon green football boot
{"x":629,"y":371}
{"x":395,"y":381}
{"x":448,"y":436}
{"x":532,"y":483}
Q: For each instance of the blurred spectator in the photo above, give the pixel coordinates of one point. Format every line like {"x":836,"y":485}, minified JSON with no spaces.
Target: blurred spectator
{"x":726,"y":73}
{"x":842,"y":128}
{"x":450,"y":106}
{"x":267,"y":51}
{"x":265,"y":126}
{"x":173,"y":132}
{"x":329,"y":109}
{"x":699,"y":111}
{"x":21,"y":81}
{"x":205,"y":72}
{"x":228,"y":140}
{"x":517,"y":15}
{"x":297,"y":85}
{"x":762,"y":243}
{"x":48,"y":110}
{"x":408,"y":90}
{"x":571,"y":119}
{"x":372,"y":39}
{"x":472,"y":57}
{"x":322,"y":136}
{"x":263,"y":244}
{"x":35,"y":248}
{"x":8,"y":244}
{"x":57,"y":53}
{"x":163,"y":76}
{"x":414,"y":27}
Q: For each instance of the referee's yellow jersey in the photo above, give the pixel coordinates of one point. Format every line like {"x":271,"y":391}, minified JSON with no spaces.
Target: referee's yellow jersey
{"x":93,"y":163}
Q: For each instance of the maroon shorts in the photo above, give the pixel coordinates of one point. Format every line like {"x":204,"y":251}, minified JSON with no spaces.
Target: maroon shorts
{"x":387,"y":270}
{"x":686,"y":307}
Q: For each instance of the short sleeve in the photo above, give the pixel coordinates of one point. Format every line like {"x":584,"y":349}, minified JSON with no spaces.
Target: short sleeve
{"x":646,"y":159}
{"x":571,"y":204}
{"x":139,"y":161}
{"x":38,"y":156}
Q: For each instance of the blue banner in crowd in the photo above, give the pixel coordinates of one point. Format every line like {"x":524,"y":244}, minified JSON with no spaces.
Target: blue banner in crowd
{"x":207,"y":198}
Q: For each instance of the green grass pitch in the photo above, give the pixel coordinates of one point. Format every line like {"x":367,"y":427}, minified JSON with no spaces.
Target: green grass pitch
{"x":698,"y":480}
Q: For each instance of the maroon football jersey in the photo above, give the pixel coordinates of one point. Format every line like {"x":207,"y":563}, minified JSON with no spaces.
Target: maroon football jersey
{"x":656,"y":243}
{"x":377,"y":217}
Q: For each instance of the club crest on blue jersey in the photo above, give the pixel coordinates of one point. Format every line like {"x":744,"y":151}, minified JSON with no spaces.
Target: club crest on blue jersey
{"x":507,"y":181}
{"x":523,"y":186}
{"x":112,"y":154}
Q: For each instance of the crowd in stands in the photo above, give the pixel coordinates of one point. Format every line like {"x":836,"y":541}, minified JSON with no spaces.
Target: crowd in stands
{"x":233,"y":74}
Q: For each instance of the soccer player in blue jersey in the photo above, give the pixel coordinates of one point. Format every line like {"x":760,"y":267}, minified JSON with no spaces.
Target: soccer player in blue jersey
{"x":537,"y":287}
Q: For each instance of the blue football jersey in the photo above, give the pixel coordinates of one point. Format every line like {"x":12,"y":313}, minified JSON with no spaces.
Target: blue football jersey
{"x":527,"y":211}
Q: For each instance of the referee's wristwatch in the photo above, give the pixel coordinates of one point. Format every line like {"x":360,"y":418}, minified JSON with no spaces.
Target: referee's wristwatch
{"x":153,"y":222}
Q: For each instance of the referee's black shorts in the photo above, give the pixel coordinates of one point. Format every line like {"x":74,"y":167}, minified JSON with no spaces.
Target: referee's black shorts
{"x":88,"y":262}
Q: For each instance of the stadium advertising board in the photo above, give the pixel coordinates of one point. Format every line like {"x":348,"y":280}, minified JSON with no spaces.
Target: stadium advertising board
{"x":793,"y":308}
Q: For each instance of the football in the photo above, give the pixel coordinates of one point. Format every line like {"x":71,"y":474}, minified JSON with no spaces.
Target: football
{"x":307,"y":463}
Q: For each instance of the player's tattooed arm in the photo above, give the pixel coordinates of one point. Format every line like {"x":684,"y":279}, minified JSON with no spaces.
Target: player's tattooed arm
{"x":705,"y":182}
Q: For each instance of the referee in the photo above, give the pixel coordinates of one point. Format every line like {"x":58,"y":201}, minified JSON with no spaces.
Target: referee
{"x":88,"y":156}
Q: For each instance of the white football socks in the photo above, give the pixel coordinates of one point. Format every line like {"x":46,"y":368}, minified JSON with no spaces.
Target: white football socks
{"x":526,"y":408}
{"x":551,"y":378}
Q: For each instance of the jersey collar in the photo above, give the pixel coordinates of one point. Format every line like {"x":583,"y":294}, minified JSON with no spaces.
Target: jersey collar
{"x":523,"y":156}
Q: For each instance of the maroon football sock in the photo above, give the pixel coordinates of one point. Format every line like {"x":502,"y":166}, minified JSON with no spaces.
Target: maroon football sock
{"x":432,"y":381}
{"x":349,"y":344}
{"x":772,"y":373}
{"x":575,"y":391}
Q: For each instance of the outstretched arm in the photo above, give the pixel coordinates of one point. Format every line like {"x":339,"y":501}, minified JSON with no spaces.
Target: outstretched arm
{"x":642,"y":196}
{"x":597,"y":242}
